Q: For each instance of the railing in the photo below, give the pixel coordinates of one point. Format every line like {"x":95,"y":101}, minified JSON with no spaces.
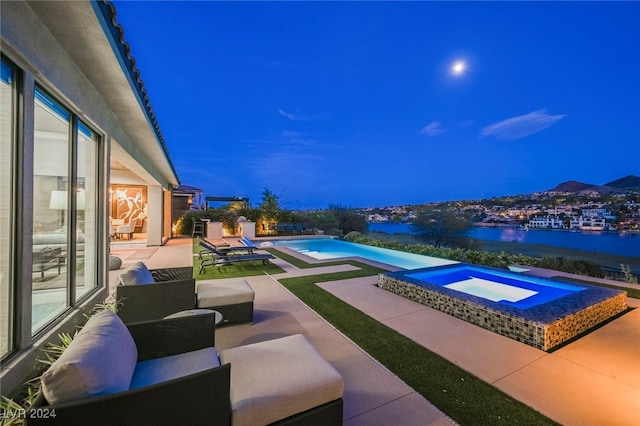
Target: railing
{"x":618,"y":275}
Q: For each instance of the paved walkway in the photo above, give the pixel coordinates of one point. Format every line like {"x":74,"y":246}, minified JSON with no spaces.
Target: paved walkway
{"x":592,"y":381}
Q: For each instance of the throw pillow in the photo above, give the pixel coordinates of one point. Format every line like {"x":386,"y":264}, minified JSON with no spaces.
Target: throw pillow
{"x":138,"y":273}
{"x":100,"y":361}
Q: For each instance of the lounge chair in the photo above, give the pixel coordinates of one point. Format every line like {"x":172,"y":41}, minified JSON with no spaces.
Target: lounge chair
{"x":224,"y":250}
{"x":153,"y":294}
{"x":248,"y":243}
{"x":170,"y":372}
{"x":218,"y":258}
{"x":147,"y":295}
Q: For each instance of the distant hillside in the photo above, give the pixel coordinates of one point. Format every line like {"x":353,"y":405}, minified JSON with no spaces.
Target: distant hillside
{"x":572,"y":186}
{"x":628,"y":182}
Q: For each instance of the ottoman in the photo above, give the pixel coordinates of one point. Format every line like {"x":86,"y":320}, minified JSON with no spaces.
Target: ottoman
{"x":280,"y":378}
{"x":232,"y":298}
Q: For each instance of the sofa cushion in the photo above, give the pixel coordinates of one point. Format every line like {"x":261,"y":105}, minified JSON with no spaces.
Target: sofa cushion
{"x":230,"y":292}
{"x":138,"y":273}
{"x":100,"y":360}
{"x":278,"y":378}
{"x":160,"y":370}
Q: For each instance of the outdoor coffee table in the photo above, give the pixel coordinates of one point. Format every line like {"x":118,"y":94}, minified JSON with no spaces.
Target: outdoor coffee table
{"x":191,"y":312}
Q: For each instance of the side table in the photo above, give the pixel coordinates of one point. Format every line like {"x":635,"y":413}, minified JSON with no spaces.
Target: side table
{"x":190,"y":312}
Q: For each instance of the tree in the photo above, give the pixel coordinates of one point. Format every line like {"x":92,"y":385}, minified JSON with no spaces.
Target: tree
{"x":318,"y":219}
{"x":348,"y":219}
{"x":441,"y":227}
{"x":270,"y":205}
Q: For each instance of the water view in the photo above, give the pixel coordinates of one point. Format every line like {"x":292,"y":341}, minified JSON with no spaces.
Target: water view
{"x":605,"y":242}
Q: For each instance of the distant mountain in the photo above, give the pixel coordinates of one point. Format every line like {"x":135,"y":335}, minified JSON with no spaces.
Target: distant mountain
{"x":630,"y":182}
{"x":572,"y":186}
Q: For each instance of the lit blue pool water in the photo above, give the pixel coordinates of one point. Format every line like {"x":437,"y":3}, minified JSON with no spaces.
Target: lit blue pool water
{"x":328,"y":248}
{"x":506,"y":288}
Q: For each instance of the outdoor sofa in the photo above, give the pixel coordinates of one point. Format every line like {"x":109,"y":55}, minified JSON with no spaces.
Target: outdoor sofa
{"x":150,"y":294}
{"x":170,"y":372}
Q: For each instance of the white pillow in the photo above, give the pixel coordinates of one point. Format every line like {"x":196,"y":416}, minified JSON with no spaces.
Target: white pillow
{"x":138,"y":273}
{"x":100,"y":361}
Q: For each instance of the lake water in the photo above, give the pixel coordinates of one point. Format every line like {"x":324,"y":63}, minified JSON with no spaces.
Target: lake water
{"x":603,"y":242}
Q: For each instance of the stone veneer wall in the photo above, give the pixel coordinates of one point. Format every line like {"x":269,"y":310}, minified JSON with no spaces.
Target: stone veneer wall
{"x":537,"y":334}
{"x":572,"y":325}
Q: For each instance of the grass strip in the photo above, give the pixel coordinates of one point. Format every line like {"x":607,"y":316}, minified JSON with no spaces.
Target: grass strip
{"x":459,"y":394}
{"x":244,"y":269}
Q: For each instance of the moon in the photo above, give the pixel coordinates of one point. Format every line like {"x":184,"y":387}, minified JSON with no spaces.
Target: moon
{"x":458,"y":67}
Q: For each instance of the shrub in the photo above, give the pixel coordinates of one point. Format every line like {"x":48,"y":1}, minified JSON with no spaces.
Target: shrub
{"x":353,"y":236}
{"x":487,"y":258}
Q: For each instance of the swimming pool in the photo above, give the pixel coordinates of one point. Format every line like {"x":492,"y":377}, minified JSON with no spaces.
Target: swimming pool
{"x":542,"y":313}
{"x":329,"y":248}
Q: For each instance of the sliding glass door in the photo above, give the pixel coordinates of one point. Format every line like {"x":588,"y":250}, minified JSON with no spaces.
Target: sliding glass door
{"x":65,"y":210}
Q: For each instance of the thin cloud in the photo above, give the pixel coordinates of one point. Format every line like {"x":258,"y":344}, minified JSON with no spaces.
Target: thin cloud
{"x":521,"y":126}
{"x":298,"y":117}
{"x":432,"y":129}
{"x":294,"y":134}
{"x":466,"y":123}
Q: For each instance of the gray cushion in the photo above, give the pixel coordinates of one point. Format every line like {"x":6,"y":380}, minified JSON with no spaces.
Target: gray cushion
{"x":228,"y":292}
{"x":100,"y":360}
{"x":160,"y":370}
{"x":138,"y":273}
{"x":278,"y":378}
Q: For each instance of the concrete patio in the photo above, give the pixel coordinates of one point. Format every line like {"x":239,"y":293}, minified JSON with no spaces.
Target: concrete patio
{"x":592,"y":381}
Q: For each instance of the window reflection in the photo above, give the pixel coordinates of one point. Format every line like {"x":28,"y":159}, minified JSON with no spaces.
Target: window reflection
{"x":50,"y":210}
{"x":86,"y":212}
{"x":7,"y":115}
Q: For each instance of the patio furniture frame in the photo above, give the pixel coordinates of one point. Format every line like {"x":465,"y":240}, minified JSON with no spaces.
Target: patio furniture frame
{"x":173,"y":291}
{"x":209,"y":247}
{"x":237,"y":312}
{"x":202,"y":398}
{"x":221,"y":259}
{"x":194,"y":399}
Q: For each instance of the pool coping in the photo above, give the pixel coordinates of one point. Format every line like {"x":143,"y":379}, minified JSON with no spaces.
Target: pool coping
{"x":379,"y":264}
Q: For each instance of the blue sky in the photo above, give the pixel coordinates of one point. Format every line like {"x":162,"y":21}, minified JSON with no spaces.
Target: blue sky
{"x":356,"y":103}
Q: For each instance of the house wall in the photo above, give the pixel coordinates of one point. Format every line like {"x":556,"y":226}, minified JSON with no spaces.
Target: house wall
{"x":42,"y":60}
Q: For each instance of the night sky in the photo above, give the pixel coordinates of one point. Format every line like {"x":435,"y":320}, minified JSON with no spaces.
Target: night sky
{"x":368,"y":104}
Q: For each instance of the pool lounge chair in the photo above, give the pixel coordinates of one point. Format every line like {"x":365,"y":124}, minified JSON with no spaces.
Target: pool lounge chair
{"x":208,"y":248}
{"x":248,"y":243}
{"x":218,"y":258}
